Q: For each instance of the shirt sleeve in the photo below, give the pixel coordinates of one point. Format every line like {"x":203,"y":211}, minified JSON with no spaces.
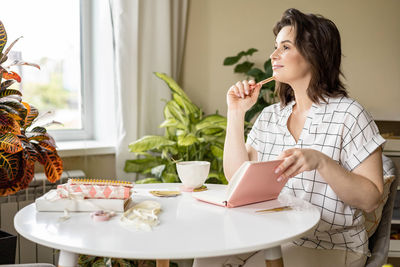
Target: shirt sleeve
{"x":254,"y":135}
{"x":360,"y":138}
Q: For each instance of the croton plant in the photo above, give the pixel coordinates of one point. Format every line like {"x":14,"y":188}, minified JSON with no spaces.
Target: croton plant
{"x":22,"y":141}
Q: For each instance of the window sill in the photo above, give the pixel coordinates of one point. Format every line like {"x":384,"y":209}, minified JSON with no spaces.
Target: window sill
{"x":84,"y":148}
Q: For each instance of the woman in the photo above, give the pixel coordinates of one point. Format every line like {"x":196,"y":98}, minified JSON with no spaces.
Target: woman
{"x":330,"y":145}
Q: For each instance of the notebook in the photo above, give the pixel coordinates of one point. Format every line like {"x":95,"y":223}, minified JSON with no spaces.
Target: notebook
{"x":253,"y":182}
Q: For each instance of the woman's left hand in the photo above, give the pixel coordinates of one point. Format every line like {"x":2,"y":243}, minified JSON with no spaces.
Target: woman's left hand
{"x":297,"y":160}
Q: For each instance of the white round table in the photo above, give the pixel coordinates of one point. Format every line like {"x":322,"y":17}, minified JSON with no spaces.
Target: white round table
{"x":188,"y":229}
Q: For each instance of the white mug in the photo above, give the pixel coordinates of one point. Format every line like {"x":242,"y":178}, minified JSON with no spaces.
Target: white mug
{"x":193,"y":174}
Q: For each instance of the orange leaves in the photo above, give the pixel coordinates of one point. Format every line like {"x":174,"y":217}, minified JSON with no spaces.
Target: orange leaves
{"x":10,"y":143}
{"x":32,"y":114}
{"x":13,"y":106}
{"x":3,"y":36}
{"x":53,"y":166}
{"x":9,"y":124}
{"x":10,"y":164}
{"x":11,"y":76}
{"x":46,"y":145}
{"x":20,"y":148}
{"x":8,"y":92}
{"x":21,"y":179}
{"x":6,"y":84}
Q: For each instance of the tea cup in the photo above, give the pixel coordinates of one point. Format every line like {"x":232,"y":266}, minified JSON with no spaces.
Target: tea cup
{"x":193,"y":174}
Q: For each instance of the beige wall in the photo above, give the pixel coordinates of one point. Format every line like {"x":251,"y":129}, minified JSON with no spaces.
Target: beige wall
{"x":94,"y":166}
{"x":370,"y":31}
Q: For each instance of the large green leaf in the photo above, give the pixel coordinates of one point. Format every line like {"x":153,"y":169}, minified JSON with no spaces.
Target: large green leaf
{"x":214,"y":138}
{"x":187,"y":106}
{"x":172,"y":84}
{"x":171,"y":122}
{"x":250,"y":51}
{"x":231,"y":60}
{"x":268,"y":68}
{"x":217,"y":151}
{"x":243,"y":67}
{"x":140,"y":165}
{"x":170,"y":149}
{"x":211,"y":131}
{"x":256,"y":73}
{"x":149,"y":142}
{"x":187,"y":140}
{"x":172,"y":110}
{"x":254,"y":110}
{"x":212,"y":121}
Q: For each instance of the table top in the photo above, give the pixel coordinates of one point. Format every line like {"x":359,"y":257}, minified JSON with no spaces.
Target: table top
{"x":188,"y":228}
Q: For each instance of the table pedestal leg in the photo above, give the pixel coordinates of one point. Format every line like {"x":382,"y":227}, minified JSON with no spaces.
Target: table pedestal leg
{"x":273,"y":257}
{"x":162,"y":263}
{"x":67,"y":259}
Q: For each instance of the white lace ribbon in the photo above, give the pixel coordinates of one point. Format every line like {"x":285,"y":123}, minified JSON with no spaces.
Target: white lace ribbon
{"x":55,"y":195}
{"x":143,"y":216}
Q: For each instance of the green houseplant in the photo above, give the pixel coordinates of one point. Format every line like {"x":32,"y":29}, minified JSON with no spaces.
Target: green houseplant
{"x":188,"y":136}
{"x":245,"y":66}
{"x":93,"y":261}
{"x":21,"y":142}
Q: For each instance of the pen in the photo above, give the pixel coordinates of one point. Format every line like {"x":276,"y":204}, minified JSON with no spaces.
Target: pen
{"x":275,"y":209}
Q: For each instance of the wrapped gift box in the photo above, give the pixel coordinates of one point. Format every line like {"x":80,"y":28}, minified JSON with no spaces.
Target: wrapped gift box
{"x":52,"y":202}
{"x":94,"y":190}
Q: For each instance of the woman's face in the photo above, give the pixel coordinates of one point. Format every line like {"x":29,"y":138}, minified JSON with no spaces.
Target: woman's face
{"x":288,"y":65}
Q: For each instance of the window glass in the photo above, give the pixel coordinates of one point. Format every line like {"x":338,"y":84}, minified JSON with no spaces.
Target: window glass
{"x":51,"y":38}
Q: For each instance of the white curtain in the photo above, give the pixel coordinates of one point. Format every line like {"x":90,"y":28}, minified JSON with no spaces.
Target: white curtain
{"x":149,"y":37}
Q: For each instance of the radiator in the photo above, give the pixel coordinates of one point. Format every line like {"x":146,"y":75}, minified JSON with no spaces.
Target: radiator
{"x":27,"y":251}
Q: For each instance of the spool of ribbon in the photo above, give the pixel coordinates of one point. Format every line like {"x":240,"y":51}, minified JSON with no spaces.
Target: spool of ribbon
{"x":101,"y":216}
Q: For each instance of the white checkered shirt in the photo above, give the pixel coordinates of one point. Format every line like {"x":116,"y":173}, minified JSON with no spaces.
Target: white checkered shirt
{"x":341,"y":129}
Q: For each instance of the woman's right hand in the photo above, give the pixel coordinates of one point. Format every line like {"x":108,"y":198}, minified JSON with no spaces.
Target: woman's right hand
{"x":242,"y":95}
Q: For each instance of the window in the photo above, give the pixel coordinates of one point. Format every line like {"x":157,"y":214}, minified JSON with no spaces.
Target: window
{"x":57,"y":37}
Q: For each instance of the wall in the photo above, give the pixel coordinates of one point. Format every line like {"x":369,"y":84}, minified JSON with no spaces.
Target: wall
{"x":94,"y":166}
{"x":370,"y":39}
{"x":220,"y":28}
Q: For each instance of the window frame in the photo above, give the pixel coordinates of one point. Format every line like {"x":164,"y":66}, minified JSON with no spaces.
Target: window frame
{"x":86,"y":92}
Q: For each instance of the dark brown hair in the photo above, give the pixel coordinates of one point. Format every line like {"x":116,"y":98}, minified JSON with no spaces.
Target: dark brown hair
{"x":318,"y":41}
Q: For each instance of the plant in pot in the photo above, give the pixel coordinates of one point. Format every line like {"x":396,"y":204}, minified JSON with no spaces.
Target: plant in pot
{"x":245,"y":66}
{"x":22,"y":142}
{"x":189,"y":135}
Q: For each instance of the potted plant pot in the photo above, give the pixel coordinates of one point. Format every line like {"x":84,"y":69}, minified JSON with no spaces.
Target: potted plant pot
{"x":8,"y":245}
